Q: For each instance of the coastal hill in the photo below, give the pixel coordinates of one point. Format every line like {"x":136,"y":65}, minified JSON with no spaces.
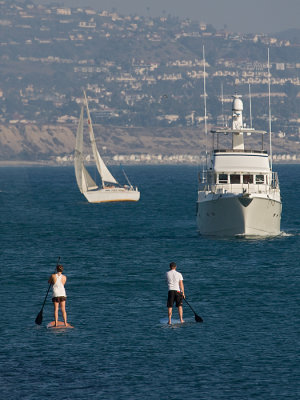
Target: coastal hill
{"x":55,"y":144}
{"x":144,"y":81}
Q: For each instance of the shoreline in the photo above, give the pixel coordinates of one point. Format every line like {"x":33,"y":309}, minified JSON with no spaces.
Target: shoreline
{"x":45,"y":163}
{"x":25,"y":163}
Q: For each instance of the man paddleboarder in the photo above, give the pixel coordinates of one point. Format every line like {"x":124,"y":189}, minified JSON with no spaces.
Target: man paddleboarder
{"x":175,"y":291}
{"x":59,"y":296}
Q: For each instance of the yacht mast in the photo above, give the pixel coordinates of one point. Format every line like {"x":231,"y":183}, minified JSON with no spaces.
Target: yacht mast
{"x":270,"y":126}
{"x":205,"y":113}
{"x":250,"y":108}
{"x":222,"y":100}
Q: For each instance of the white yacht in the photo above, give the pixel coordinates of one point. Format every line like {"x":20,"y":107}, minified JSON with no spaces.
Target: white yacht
{"x":238,"y":192}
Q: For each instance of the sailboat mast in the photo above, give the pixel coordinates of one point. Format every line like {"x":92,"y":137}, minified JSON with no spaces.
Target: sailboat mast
{"x":270,"y":118}
{"x":92,"y":138}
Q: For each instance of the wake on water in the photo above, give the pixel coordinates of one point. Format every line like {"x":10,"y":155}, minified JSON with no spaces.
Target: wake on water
{"x":286,"y":234}
{"x":266,"y":237}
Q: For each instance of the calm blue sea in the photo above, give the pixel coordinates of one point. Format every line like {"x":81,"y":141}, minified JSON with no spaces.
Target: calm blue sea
{"x":115,"y":257}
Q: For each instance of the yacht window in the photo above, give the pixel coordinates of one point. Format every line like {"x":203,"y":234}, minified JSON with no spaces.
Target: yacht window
{"x":223,"y":178}
{"x":247,"y":178}
{"x":259,"y":179}
{"x":234,"y":178}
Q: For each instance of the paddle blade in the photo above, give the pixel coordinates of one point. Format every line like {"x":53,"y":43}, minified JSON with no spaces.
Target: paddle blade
{"x":198,"y":319}
{"x":39,"y":318}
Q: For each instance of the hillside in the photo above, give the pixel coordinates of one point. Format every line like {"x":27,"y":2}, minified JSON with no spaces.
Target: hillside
{"x":50,"y":143}
{"x":143,"y":77}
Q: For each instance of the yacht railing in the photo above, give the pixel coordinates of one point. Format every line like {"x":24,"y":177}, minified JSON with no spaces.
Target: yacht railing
{"x":240,"y":151}
{"x":275,"y":180}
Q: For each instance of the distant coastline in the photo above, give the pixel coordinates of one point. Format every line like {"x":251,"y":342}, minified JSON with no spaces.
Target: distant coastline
{"x":49,"y":163}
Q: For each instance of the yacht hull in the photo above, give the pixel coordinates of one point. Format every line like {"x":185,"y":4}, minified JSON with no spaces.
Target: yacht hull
{"x":238,"y":215}
{"x":111,"y":195}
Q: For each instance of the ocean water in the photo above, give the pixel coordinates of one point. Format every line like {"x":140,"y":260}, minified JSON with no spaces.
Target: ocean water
{"x":115,"y":257}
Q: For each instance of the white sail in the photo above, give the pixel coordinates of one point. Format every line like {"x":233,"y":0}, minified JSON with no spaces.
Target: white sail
{"x":78,"y":158}
{"x":105,"y":173}
{"x":106,"y":176}
{"x":83,"y":178}
{"x":88,"y":181}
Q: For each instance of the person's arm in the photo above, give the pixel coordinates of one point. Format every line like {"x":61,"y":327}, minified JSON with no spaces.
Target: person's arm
{"x":64,"y":279}
{"x":181,"y":285}
{"x":51,"y":280}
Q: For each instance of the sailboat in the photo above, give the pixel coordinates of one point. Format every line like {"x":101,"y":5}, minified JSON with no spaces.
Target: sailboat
{"x":109,"y":190}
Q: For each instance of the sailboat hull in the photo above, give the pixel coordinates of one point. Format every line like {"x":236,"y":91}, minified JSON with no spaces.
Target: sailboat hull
{"x":235,"y":215}
{"x":108,"y":195}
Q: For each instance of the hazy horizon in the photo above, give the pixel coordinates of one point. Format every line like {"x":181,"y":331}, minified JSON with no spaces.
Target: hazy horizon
{"x":259,"y":16}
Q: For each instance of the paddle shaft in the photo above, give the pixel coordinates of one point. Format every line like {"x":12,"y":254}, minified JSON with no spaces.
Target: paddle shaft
{"x":46,"y":295}
{"x":197,"y":317}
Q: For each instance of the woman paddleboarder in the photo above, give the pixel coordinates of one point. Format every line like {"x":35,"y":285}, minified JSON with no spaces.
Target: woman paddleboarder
{"x":59,"y":296}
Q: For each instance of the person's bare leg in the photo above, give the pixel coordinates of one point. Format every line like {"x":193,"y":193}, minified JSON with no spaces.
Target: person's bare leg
{"x":169,"y":315}
{"x":55,"y":313}
{"x":180,"y":312}
{"x":63,"y":311}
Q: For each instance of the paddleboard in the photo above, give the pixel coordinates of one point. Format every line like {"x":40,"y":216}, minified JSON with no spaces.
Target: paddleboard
{"x":60,"y":325}
{"x":174,"y":321}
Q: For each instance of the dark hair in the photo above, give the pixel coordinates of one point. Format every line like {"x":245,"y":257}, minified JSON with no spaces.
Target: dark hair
{"x":59,"y":268}
{"x":173,"y":265}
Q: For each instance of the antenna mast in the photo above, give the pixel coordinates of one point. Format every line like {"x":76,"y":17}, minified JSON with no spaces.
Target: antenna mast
{"x":270,"y":126}
{"x":205,"y":113}
{"x":250,"y":106}
{"x":222,"y":99}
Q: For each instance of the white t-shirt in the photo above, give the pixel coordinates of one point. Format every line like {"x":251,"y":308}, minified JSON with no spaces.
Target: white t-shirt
{"x":173,"y":277}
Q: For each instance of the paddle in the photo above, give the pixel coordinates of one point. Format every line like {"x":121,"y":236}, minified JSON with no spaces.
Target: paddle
{"x":39,"y":318}
{"x":197,"y":318}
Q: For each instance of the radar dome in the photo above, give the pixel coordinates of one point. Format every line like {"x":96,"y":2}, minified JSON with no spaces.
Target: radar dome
{"x":237,"y":104}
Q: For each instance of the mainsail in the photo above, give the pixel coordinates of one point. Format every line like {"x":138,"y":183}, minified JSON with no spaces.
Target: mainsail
{"x":78,"y":159}
{"x":105,"y":174}
{"x":83,"y":178}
